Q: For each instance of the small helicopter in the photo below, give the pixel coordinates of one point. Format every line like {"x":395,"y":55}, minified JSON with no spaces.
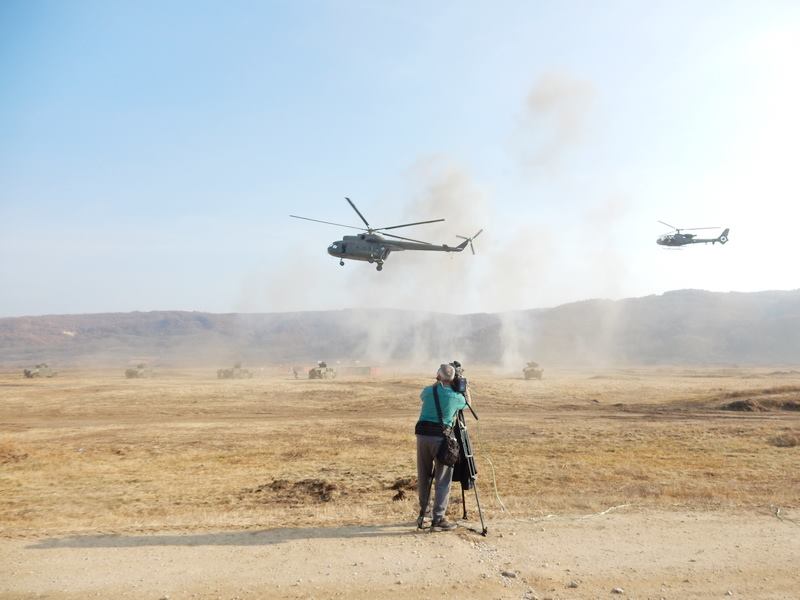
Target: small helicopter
{"x":373,"y":247}
{"x":682,"y":239}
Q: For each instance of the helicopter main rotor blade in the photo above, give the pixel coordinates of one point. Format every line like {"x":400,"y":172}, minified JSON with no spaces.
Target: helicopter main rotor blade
{"x":668,"y":225}
{"x":358,"y":212}
{"x":409,"y":224}
{"x":406,"y":239}
{"x":328,"y":223}
{"x":699,"y":228}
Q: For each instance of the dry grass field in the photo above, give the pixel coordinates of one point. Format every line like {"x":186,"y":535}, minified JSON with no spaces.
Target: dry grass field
{"x":95,"y":452}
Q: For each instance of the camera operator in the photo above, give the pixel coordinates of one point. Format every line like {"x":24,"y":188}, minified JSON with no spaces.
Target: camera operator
{"x":429,"y":438}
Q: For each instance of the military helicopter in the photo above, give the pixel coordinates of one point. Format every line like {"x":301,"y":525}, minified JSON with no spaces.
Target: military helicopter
{"x":373,"y":247}
{"x":682,"y":239}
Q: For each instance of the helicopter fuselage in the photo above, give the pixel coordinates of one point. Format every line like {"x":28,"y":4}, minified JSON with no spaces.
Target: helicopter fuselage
{"x":677,"y":239}
{"x":682,"y":239}
{"x":365,"y":246}
{"x":372,"y":247}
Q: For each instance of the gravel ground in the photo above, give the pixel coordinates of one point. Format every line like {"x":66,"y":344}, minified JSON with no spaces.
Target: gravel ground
{"x":626,"y":553}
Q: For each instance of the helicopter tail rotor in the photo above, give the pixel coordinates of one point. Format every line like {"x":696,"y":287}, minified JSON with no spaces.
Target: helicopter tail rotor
{"x":468,"y":241}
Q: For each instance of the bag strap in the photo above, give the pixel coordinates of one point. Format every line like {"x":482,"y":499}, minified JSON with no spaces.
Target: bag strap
{"x":438,"y":406}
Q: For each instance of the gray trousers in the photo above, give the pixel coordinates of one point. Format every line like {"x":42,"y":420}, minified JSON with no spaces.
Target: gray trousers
{"x":427,"y":447}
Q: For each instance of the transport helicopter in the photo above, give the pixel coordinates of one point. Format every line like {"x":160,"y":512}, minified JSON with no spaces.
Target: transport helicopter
{"x":373,"y":245}
{"x":677,"y":238}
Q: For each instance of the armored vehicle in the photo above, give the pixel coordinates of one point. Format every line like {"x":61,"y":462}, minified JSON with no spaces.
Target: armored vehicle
{"x":237,"y":372}
{"x":139,"y":372}
{"x":532,"y":371}
{"x":322,"y":371}
{"x":40,"y":370}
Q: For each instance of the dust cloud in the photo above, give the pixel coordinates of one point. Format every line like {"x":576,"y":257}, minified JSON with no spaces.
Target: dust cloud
{"x":555,"y":118}
{"x":518,"y":264}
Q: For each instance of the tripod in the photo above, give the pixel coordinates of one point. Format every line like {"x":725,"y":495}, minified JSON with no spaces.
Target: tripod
{"x":464,"y":471}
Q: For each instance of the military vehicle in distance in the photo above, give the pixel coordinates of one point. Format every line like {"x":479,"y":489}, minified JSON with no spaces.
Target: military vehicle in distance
{"x":40,"y":370}
{"x":532,"y":371}
{"x":322,"y":371}
{"x":237,"y":372}
{"x":139,"y":372}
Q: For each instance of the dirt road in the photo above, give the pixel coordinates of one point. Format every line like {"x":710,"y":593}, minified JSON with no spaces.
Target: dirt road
{"x":643,"y":553}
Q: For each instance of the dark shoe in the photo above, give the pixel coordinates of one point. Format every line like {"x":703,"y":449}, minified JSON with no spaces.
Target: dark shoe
{"x":443,"y":525}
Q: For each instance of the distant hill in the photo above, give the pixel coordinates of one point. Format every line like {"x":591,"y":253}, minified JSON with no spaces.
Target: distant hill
{"x":689,"y":327}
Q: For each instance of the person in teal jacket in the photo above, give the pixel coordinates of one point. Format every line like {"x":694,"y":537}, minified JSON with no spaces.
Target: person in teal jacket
{"x":429,"y":435}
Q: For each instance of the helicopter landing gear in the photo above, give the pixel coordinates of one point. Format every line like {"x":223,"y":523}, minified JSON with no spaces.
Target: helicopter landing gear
{"x":379,"y":267}
{"x":341,"y":263}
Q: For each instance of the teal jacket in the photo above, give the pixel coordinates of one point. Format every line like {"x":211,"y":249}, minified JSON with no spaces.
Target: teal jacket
{"x":450,"y":401}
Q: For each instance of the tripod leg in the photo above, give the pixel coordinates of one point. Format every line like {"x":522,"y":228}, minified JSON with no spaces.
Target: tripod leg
{"x":464,"y":502}
{"x":484,"y":529}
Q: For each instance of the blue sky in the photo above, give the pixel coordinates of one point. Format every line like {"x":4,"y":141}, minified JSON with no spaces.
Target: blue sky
{"x":151,"y":152}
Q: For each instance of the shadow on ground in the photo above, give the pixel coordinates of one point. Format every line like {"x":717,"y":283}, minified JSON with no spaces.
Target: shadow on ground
{"x":264,"y":537}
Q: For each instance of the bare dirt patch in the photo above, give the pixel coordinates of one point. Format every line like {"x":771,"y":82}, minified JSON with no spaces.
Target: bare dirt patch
{"x":291,"y":493}
{"x":748,"y":405}
{"x":9,"y":453}
{"x":761,"y":405}
{"x":785,"y":440}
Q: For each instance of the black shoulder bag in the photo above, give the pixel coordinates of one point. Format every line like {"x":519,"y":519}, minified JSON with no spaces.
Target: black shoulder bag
{"x":449,"y":451}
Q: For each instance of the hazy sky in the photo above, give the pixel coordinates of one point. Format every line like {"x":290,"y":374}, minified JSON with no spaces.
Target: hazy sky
{"x":151,"y":152}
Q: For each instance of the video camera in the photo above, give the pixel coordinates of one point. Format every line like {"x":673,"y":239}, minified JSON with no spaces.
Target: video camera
{"x":460,"y":382}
